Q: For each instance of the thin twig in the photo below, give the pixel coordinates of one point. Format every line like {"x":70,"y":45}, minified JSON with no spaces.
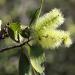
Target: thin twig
{"x":16,"y":46}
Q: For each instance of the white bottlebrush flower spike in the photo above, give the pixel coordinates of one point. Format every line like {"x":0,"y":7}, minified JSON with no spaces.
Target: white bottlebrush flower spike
{"x":52,"y":20}
{"x":0,"y":24}
{"x":67,"y":41}
{"x":45,"y":32}
{"x":54,"y":38}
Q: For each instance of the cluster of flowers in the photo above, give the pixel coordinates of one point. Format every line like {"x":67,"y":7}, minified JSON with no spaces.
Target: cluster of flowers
{"x":45,"y":31}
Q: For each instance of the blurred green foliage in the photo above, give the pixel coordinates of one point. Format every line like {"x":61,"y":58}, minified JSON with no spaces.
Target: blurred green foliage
{"x":60,"y":61}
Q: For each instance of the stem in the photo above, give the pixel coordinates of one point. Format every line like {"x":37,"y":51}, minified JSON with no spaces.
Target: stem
{"x":16,"y":46}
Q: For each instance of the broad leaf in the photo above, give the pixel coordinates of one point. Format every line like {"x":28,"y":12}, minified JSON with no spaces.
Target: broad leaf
{"x":34,"y":16}
{"x":24,"y":65}
{"x":14,"y":31}
{"x":37,"y":58}
{"x":36,"y":13}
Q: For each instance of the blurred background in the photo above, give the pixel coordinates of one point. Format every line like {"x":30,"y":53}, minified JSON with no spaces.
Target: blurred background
{"x":60,"y":61}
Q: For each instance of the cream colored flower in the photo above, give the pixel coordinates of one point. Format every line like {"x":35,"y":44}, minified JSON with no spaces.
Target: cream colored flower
{"x":51,"y":20}
{"x":45,"y":32}
{"x":53,"y":38}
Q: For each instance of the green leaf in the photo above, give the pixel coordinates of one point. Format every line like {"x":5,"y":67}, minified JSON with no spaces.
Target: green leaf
{"x":34,"y":16}
{"x":14,"y":31}
{"x":24,"y":65}
{"x":37,"y":58}
{"x":25,"y":33}
{"x":41,"y":6}
{"x":36,"y":13}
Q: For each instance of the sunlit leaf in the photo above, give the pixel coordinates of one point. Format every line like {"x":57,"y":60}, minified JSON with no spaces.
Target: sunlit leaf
{"x":14,"y":31}
{"x":37,"y":58}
